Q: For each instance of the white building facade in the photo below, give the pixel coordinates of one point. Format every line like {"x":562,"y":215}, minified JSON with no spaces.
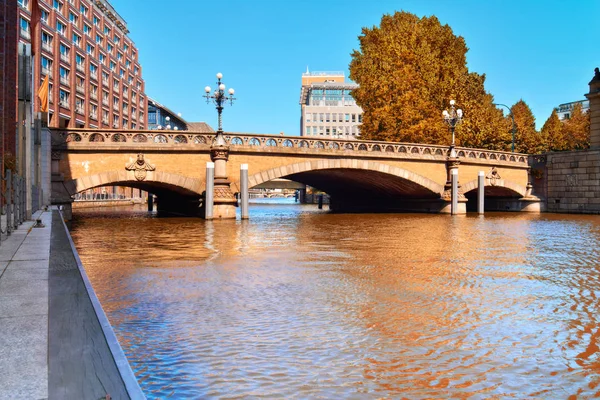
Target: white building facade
{"x":327,"y":106}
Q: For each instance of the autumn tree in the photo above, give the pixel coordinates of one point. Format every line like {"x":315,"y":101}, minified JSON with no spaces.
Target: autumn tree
{"x":553,"y":134}
{"x":527,"y":138}
{"x":408,"y":68}
{"x":577,"y":129}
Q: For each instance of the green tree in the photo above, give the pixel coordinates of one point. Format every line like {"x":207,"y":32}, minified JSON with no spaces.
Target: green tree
{"x":527,"y":138}
{"x":408,"y":68}
{"x":553,"y":134}
{"x":577,"y":129}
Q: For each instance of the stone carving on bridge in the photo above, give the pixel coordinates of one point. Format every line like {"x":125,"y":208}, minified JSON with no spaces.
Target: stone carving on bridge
{"x":493,"y":176}
{"x":219,"y":153}
{"x":140,"y":167}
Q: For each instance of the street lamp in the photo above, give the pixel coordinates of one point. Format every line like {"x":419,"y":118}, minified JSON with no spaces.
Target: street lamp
{"x":219,"y":98}
{"x":452,"y":118}
{"x":513,"y":124}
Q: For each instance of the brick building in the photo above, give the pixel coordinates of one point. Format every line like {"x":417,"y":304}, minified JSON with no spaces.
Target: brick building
{"x":94,"y":74}
{"x":8,"y":77}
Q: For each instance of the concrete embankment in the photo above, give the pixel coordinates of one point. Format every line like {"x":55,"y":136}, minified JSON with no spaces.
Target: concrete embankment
{"x":55,"y":340}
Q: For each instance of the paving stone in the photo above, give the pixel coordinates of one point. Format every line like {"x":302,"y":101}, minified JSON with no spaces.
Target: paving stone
{"x":20,"y":306}
{"x":36,"y":288}
{"x":23,"y":347}
{"x":25,"y":274}
{"x":31,"y":264}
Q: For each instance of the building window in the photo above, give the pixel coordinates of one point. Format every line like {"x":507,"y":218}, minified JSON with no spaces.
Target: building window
{"x":109,"y":48}
{"x":87,"y":29}
{"x":79,"y":59}
{"x":24,"y":27}
{"x":64,"y":52}
{"x":113,"y":66}
{"x":90,"y":49}
{"x":64,"y":98}
{"x":102,"y":58}
{"x":23,"y":3}
{"x":46,"y":39}
{"x":117,"y":39}
{"x":126,"y":48}
{"x":79,"y":103}
{"x":347,"y":117}
{"x":96,"y":20}
{"x":73,"y":18}
{"x":119,"y":55}
{"x":360,"y":118}
{"x":327,"y":117}
{"x":94,"y":71}
{"x":57,"y":5}
{"x":98,"y":39}
{"x":83,"y":9}
{"x":77,"y":39}
{"x":45,"y":16}
{"x":61,"y":28}
{"x":353,"y":117}
{"x":46,"y":65}
{"x":121,"y":72}
{"x":106,"y":30}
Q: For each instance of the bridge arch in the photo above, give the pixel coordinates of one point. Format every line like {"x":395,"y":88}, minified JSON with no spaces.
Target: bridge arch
{"x":379,"y":176}
{"x":501,"y":188}
{"x":155,"y":181}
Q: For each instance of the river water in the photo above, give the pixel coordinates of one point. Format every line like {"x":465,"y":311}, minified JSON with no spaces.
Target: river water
{"x":300,"y":303}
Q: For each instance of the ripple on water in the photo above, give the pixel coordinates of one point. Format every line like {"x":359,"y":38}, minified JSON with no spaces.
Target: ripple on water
{"x":297,"y":303}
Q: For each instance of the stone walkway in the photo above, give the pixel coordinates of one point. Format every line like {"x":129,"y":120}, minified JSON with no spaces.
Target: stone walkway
{"x":24,"y":263}
{"x":55,"y":340}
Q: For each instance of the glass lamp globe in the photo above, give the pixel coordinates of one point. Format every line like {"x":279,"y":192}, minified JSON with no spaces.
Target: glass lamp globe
{"x":219,"y":75}
{"x":222,"y":86}
{"x":459,"y":112}
{"x":452,"y":102}
{"x":207,"y":89}
{"x":231,"y":91}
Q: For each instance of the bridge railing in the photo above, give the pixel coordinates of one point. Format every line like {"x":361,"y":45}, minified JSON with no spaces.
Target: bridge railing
{"x":80,"y":138}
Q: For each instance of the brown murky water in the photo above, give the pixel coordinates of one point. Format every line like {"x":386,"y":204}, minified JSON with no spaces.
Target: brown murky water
{"x":297,"y":303}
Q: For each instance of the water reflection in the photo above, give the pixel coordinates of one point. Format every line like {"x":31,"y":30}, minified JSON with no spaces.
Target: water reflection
{"x":298,"y":303}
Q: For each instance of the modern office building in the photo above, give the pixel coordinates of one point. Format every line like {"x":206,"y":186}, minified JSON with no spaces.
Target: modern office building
{"x":564,"y":110}
{"x":327,"y":106}
{"x":95,"y":79}
{"x":160,"y":117}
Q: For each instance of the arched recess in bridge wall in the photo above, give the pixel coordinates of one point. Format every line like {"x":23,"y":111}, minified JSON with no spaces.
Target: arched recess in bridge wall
{"x":378,"y":170}
{"x":501,"y":188}
{"x":154,"y":182}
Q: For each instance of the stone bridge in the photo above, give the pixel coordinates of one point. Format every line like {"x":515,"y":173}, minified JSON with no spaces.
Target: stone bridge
{"x":358,"y":175}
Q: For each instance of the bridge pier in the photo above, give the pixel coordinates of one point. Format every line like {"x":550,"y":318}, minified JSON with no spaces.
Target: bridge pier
{"x":224,"y":202}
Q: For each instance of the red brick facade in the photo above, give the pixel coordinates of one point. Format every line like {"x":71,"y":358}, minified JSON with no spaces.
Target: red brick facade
{"x":94,"y":74}
{"x":8,"y":77}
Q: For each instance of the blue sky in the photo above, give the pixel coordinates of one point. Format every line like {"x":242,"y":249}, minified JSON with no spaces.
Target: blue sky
{"x":543,"y":52}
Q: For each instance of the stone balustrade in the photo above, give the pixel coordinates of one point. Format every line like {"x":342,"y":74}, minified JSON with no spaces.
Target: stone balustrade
{"x":174,"y":140}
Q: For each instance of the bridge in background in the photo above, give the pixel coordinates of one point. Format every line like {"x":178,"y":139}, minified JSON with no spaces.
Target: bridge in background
{"x":359,"y":176}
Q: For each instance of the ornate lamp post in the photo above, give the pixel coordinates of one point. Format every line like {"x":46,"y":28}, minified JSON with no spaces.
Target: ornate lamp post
{"x":219,"y":98}
{"x":452,"y":194}
{"x":223,"y":198}
{"x":512,"y":147}
{"x":452,"y":118}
